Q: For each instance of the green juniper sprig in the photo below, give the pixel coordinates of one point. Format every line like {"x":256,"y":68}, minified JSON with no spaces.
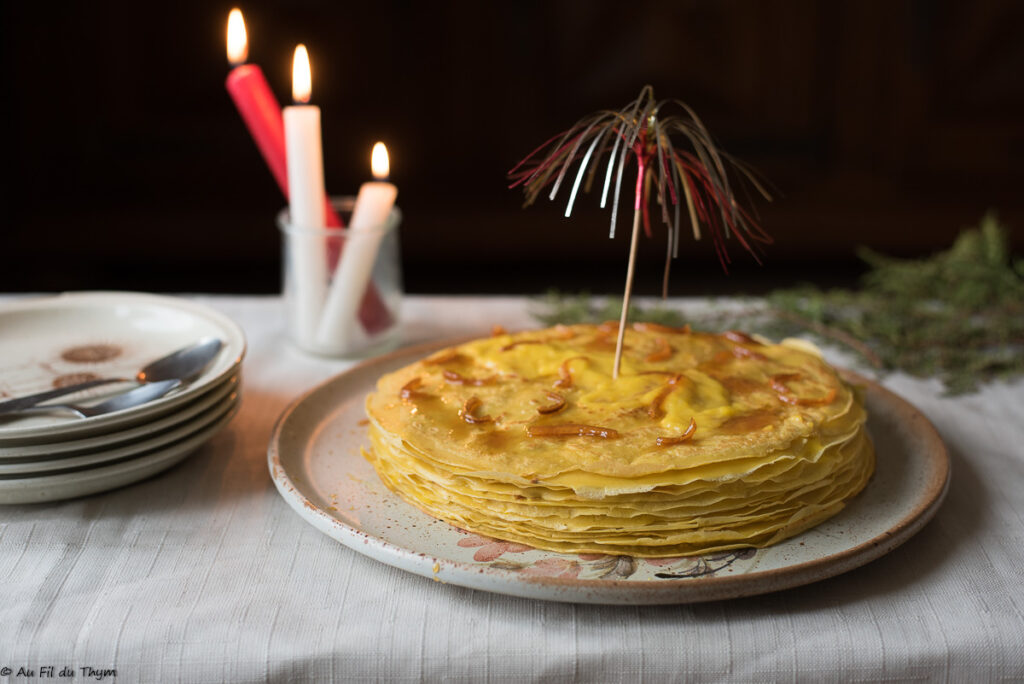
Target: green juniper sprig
{"x":957,"y":315}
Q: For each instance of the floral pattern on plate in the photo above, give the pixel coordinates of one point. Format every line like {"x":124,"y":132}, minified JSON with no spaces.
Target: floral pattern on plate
{"x":490,"y":551}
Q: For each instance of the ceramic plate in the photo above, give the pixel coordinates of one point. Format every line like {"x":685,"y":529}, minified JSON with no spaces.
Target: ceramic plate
{"x":77,"y":336}
{"x":21,"y":469}
{"x":121,"y":438}
{"x":315,"y":462}
{"x":92,"y":480}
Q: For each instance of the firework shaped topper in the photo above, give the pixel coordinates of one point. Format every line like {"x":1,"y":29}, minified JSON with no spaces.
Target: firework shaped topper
{"x":691,"y":171}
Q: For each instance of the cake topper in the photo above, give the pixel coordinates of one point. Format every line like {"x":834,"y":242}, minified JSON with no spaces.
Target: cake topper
{"x":694,"y":171}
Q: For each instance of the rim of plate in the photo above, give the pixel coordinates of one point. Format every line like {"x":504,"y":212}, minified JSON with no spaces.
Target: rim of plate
{"x":621,"y":591}
{"x":235,"y":338}
{"x":73,"y":448}
{"x":92,"y":459}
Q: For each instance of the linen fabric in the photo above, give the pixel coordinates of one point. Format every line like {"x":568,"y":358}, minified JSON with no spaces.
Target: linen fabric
{"x":204,"y":574}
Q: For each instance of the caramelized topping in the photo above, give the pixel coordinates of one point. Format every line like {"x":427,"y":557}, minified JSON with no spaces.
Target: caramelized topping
{"x":654,"y":410}
{"x":664,"y":351}
{"x":410,"y":390}
{"x":686,"y":436}
{"x":738,"y":385}
{"x":786,"y":395}
{"x":740,"y":337}
{"x":564,"y":332}
{"x":744,"y":353}
{"x":458,"y":379}
{"x":571,"y":430}
{"x":555,"y":407}
{"x":741,"y":352}
{"x":564,"y":374}
{"x":444,"y":357}
{"x":748,"y":422}
{"x":606,"y":336}
{"x":516,"y":344}
{"x":778,"y":382}
{"x":658,"y":328}
{"x":715,"y":363}
{"x":467,"y":410}
{"x":497,"y":330}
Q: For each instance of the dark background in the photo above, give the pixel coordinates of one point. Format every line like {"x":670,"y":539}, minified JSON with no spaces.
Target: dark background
{"x":890,"y":124}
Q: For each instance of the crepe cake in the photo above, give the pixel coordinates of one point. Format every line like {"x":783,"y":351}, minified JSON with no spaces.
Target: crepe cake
{"x":705,"y":442}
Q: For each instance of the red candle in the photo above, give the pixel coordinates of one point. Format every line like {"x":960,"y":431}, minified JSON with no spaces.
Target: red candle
{"x":262,"y":115}
{"x":256,"y":103}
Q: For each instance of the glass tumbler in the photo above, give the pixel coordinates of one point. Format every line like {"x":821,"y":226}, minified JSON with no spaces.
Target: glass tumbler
{"x":342,"y":288}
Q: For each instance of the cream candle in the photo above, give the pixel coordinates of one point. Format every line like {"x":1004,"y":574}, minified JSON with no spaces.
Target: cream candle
{"x":307,"y":242}
{"x":352,"y":275}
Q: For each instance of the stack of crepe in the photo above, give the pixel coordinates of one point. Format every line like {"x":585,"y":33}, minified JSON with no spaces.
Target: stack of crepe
{"x":704,"y":442}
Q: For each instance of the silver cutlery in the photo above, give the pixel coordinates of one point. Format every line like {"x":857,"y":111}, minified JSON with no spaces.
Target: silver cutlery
{"x":126,"y":400}
{"x":184,"y":365}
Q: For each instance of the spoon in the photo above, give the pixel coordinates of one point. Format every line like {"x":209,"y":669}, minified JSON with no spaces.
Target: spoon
{"x":184,"y":364}
{"x":120,"y":402}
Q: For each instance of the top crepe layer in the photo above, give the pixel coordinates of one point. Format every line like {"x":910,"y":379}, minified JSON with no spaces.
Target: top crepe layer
{"x":725,"y":387}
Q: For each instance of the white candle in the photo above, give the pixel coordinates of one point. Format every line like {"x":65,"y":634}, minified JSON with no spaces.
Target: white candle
{"x":352,"y":276}
{"x":306,"y":201}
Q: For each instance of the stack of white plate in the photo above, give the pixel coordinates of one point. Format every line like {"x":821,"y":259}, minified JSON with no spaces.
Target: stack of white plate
{"x":45,"y":343}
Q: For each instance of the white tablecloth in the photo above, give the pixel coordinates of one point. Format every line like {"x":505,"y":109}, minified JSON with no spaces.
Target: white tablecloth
{"x":204,"y":574}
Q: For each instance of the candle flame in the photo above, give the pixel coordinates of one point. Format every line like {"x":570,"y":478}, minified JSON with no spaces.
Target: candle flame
{"x":379,"y":163}
{"x":238,"y":41}
{"x":302,"y":79}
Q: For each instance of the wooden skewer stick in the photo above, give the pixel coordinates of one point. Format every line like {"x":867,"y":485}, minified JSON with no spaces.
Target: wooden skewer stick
{"x":633,"y":240}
